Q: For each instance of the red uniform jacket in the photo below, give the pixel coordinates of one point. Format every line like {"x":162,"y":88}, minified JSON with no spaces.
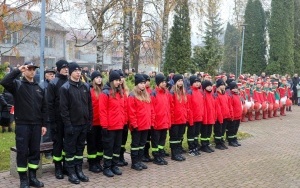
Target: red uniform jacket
{"x":179,"y":109}
{"x":223,"y":101}
{"x":283,"y":91}
{"x":149,"y":90}
{"x":236,"y":106}
{"x":196,"y":104}
{"x":161,"y":106}
{"x":95,"y":105}
{"x":140,"y":113}
{"x":209,"y":117}
{"x":113,"y":111}
{"x":258,"y":96}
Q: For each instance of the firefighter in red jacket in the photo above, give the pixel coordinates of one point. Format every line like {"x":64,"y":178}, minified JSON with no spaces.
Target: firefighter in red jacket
{"x":222,"y":101}
{"x":195,"y":98}
{"x":236,"y":111}
{"x":209,"y":117}
{"x":146,"y":157}
{"x":283,"y":92}
{"x":271,"y":101}
{"x":112,"y":119}
{"x":179,"y":116}
{"x":141,"y":117}
{"x":258,"y":100}
{"x":94,"y":136}
{"x":161,"y":105}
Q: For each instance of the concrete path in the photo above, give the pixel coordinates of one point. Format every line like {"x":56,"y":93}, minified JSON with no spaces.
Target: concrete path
{"x":270,"y":158}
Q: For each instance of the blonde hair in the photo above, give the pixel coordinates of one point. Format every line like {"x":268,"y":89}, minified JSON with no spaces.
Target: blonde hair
{"x":115,"y":90}
{"x":179,"y":93}
{"x":97,"y":88}
{"x":125,"y":87}
{"x":141,"y":95}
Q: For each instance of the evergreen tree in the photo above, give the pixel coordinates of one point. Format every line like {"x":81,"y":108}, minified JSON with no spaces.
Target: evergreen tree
{"x":178,"y":51}
{"x":231,"y":42}
{"x":254,"y":60}
{"x":281,"y":37}
{"x":297,"y":37}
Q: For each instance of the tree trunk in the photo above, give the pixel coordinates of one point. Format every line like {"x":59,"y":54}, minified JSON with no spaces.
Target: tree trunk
{"x":100,"y":50}
{"x":127,"y":10}
{"x":137,"y":38}
{"x":165,"y":28}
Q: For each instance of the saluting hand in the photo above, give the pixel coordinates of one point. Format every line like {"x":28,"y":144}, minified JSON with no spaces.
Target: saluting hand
{"x":44,"y":130}
{"x":23,"y":68}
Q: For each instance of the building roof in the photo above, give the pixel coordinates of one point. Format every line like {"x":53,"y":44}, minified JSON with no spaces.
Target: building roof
{"x":32,"y":19}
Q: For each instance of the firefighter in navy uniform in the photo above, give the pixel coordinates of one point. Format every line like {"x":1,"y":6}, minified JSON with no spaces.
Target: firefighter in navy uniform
{"x":30,"y":118}
{"x":77,"y":115}
{"x":56,"y":123}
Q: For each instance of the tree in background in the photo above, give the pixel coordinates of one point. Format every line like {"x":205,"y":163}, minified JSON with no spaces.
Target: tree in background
{"x":281,"y":37}
{"x":231,"y":43}
{"x":297,"y":37}
{"x":211,"y":54}
{"x":178,"y":51}
{"x":254,"y":60}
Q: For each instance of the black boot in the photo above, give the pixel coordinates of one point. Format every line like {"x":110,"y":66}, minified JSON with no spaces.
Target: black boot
{"x":65,"y":170}
{"x":116,"y":170}
{"x":157,"y":160}
{"x":122,"y":161}
{"x":108,"y":173}
{"x":33,"y":181}
{"x":236,"y":141}
{"x":98,"y":163}
{"x":72,"y":175}
{"x":58,"y":170}
{"x":208,"y":147}
{"x":23,"y":180}
{"x":223,"y":144}
{"x":163,"y":153}
{"x":141,"y":154}
{"x":80,"y":174}
{"x":219,"y":146}
{"x":135,"y":160}
{"x":175,"y":154}
{"x":146,"y":157}
{"x":231,"y":142}
{"x":93,"y":166}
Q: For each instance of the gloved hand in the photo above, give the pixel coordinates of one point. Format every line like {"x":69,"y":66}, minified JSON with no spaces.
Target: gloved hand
{"x":104,"y":131}
{"x":69,"y":129}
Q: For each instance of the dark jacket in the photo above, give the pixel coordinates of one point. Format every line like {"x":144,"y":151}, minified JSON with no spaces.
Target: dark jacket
{"x":53,"y":97}
{"x":75,"y":103}
{"x":29,"y":97}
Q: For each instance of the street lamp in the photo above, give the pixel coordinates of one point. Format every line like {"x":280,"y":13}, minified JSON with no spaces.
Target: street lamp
{"x":42,"y":42}
{"x":242,"y":52}
{"x":236,"y":59}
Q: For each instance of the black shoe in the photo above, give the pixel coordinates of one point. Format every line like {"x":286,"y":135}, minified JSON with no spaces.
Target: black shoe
{"x":33,"y":181}
{"x":224,"y":146}
{"x":94,"y":168}
{"x":122,"y":162}
{"x":23,"y":180}
{"x":232,"y":144}
{"x":164,"y":161}
{"x":80,"y":174}
{"x":220,"y":147}
{"x":108,"y":173}
{"x":183,"y":158}
{"x":143,"y":165}
{"x":116,"y":170}
{"x":212,"y":150}
{"x":237,"y":143}
{"x":147,"y":159}
{"x":73,"y":178}
{"x":99,"y":166}
{"x":176,"y":157}
{"x":137,"y":167}
{"x":163,"y":153}
{"x":158,"y":161}
{"x":205,"y":149}
{"x":58,"y":170}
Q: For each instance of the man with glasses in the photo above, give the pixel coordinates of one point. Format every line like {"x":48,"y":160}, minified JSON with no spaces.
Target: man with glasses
{"x":30,"y":117}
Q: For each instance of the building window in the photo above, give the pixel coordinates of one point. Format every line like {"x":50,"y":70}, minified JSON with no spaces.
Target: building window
{"x":12,"y":38}
{"x":49,"y":42}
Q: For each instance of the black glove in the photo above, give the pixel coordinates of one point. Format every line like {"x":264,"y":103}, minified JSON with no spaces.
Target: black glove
{"x":69,"y":129}
{"x":104,"y":131}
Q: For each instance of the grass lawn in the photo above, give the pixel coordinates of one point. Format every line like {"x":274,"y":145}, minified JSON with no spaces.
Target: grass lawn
{"x":7,"y":140}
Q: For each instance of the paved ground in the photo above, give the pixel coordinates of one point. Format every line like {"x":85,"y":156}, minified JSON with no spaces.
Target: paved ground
{"x":270,"y":158}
